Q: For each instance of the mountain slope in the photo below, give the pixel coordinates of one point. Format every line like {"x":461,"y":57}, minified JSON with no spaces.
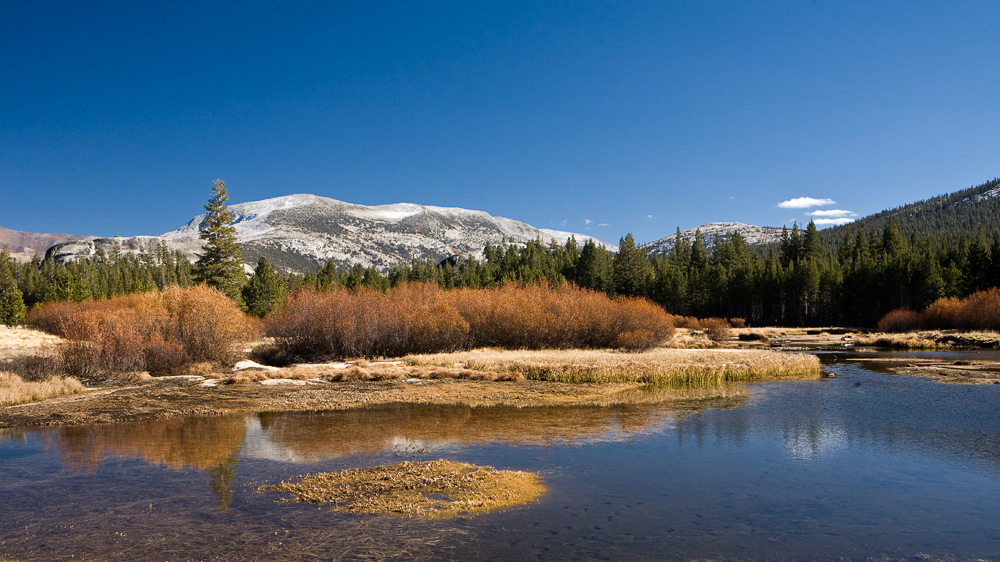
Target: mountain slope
{"x":751,"y":233}
{"x":300,"y":232}
{"x":943,"y":219}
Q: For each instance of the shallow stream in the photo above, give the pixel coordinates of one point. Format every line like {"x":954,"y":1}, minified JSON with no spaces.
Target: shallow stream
{"x":863,"y":465}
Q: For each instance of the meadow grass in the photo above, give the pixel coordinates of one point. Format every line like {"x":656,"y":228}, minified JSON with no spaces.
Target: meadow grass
{"x":15,"y":390}
{"x":658,"y":366}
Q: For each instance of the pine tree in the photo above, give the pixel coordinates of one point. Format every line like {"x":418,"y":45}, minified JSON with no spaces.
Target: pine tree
{"x":593,"y":271}
{"x":264,"y":290}
{"x":812,"y":248}
{"x":631,"y":270}
{"x":11,"y":302}
{"x":221,"y":264}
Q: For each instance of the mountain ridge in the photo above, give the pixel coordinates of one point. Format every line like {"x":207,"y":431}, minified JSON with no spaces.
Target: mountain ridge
{"x":299,"y":232}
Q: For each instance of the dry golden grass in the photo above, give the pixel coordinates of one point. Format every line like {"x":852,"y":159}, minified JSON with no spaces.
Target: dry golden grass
{"x":408,"y":488}
{"x":15,"y":390}
{"x":362,"y":370}
{"x":933,"y":339}
{"x":909,"y":340}
{"x":657,"y":366}
{"x":16,"y":342}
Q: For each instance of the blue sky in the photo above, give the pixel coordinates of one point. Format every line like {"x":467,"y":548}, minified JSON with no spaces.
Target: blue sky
{"x":596,"y":117}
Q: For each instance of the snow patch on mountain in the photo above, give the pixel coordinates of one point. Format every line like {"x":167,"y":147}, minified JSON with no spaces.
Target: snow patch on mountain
{"x":751,"y":233}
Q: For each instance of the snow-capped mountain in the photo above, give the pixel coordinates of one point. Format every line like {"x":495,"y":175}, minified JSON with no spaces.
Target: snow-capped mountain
{"x":300,"y":232}
{"x":751,"y":233}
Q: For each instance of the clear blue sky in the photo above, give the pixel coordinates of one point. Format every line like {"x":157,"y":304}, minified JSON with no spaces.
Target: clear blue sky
{"x":638,"y":117}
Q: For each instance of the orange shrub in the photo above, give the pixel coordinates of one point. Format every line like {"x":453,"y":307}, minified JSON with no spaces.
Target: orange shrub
{"x":899,"y":320}
{"x":738,"y":322}
{"x":421,"y":318}
{"x":412,"y":317}
{"x":431,"y":323}
{"x":689,"y":322}
{"x":943,"y":314}
{"x":981,"y":310}
{"x":152,"y":332}
{"x":717,"y":329}
{"x":538,"y":317}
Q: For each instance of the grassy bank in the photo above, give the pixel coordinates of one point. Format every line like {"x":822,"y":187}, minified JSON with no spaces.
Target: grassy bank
{"x":933,"y":339}
{"x":658,"y":366}
{"x":15,"y":390}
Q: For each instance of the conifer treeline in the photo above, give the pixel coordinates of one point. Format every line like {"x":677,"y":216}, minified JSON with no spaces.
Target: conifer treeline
{"x":103,"y":275}
{"x":798,"y":283}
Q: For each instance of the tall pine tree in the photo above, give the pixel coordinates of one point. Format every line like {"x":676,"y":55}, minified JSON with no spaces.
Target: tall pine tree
{"x":221,"y":263}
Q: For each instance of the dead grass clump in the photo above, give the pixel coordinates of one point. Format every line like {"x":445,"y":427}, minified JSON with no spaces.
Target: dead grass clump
{"x":435,"y":489}
{"x":248,"y":376}
{"x":15,"y":390}
{"x":717,"y":329}
{"x":754,"y":336}
{"x":900,"y":320}
{"x":159,"y":333}
{"x":737,"y":322}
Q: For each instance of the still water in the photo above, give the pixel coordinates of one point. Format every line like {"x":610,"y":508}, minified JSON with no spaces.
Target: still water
{"x":861,"y":466}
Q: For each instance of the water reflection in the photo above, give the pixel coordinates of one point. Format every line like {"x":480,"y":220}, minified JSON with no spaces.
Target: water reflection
{"x":202,"y":443}
{"x":864,"y":409}
{"x":211,"y":445}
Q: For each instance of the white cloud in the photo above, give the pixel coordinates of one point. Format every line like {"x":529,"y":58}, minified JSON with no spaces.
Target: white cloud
{"x":649,"y":216}
{"x":841,"y":220}
{"x":832,"y":213}
{"x":805,"y":202}
{"x":604,"y":224}
{"x":563,"y":223}
{"x":587,"y":221}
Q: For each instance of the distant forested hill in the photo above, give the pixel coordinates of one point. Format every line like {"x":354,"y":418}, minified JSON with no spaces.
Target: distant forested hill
{"x":942,"y":220}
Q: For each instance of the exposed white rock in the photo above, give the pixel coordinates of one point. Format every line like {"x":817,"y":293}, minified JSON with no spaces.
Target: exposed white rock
{"x":751,"y":233}
{"x":247,"y":365}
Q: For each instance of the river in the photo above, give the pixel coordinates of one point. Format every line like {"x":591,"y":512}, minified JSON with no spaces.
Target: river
{"x":859,"y":465}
